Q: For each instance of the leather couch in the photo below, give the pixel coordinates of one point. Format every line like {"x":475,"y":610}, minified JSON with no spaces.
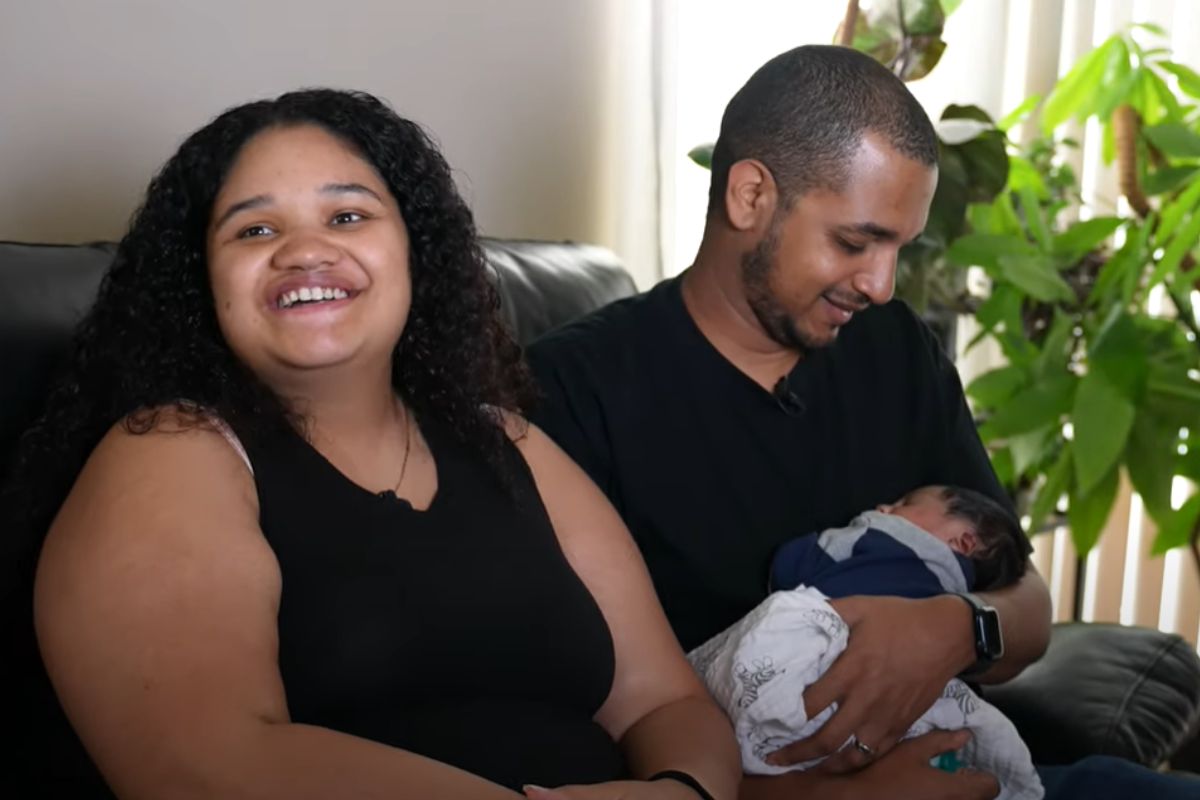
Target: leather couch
{"x":1101,"y":689}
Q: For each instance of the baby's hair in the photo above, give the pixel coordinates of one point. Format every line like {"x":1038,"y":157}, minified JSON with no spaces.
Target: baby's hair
{"x":1000,"y":560}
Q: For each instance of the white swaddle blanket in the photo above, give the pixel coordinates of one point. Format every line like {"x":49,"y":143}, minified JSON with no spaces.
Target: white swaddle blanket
{"x":758,"y":669}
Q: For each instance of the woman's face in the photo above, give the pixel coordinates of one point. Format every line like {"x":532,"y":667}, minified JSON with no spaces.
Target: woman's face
{"x":308,"y":258}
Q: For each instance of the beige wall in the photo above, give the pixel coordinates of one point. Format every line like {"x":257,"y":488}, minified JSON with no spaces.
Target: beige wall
{"x":95,"y":94}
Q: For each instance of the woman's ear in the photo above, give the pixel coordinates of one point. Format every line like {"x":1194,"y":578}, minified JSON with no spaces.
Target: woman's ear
{"x":751,"y":196}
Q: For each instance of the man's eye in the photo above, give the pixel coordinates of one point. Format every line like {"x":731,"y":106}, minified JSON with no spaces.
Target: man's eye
{"x":850,"y":247}
{"x":254,"y":231}
{"x":347,"y":217}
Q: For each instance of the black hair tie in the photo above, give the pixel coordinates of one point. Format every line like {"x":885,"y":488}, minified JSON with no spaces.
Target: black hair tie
{"x":684,"y":778}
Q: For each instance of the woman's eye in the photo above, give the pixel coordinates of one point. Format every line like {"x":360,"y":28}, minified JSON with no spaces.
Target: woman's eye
{"x":254,"y":231}
{"x":347,"y":217}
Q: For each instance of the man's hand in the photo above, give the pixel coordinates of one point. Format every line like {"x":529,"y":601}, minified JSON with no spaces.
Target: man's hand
{"x":904,"y":772}
{"x":899,"y":657}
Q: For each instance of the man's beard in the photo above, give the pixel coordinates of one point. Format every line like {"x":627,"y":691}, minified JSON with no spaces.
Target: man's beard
{"x":757,"y":268}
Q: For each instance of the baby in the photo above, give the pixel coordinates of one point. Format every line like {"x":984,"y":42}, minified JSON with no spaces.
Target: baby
{"x":934,"y":540}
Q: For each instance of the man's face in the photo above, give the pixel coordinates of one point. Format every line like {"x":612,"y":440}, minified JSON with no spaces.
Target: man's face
{"x":833,"y":253}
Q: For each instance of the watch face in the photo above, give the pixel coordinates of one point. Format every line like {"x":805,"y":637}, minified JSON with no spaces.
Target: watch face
{"x":989,"y":638}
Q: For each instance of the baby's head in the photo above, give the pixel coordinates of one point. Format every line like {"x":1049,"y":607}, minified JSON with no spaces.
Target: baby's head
{"x":973,"y":525}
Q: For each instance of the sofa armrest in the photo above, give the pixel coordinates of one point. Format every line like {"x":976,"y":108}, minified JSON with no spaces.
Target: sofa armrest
{"x":1104,"y":689}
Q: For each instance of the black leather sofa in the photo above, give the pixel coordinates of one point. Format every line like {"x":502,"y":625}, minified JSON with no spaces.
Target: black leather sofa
{"x":1101,"y":689}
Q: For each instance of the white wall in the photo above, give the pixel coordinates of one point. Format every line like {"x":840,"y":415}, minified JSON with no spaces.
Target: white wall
{"x":95,"y":94}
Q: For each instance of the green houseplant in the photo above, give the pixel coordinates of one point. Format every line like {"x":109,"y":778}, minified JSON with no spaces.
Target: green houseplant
{"x":1096,"y":384}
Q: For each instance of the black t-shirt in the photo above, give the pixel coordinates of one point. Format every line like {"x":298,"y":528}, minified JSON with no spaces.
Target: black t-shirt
{"x":712,"y":473}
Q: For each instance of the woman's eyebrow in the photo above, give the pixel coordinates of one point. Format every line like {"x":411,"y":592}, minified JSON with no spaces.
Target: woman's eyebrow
{"x":348,"y":188}
{"x":258,"y":201}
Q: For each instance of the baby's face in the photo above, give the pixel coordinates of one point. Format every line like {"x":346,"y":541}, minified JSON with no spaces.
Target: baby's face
{"x":926,"y":509}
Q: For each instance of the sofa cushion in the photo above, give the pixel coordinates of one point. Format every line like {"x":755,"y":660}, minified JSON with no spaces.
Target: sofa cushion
{"x":1105,"y":689}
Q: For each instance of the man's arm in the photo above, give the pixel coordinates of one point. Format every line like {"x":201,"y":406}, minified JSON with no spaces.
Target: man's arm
{"x":1024,"y":611}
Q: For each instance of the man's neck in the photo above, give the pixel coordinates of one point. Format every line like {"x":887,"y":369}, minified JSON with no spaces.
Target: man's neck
{"x":713,"y":295}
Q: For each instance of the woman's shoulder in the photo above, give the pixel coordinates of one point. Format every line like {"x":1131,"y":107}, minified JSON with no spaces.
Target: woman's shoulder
{"x":187,"y":439}
{"x":154,"y":468}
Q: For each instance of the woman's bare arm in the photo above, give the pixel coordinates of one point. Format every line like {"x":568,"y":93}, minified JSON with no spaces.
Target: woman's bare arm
{"x":658,"y":709}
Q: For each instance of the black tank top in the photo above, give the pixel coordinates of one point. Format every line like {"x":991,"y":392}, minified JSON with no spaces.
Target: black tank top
{"x":460,"y":632}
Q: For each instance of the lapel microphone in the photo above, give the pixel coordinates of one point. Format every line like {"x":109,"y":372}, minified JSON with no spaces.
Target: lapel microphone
{"x":787,"y":400}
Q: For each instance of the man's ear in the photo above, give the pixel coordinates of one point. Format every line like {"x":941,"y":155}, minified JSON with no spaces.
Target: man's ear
{"x":750,"y":196}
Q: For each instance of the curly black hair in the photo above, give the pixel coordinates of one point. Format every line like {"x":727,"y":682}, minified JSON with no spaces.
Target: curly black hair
{"x":151,"y":339}
{"x":1001,"y":559}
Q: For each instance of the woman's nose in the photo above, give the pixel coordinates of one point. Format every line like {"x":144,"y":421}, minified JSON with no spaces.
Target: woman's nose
{"x":305,"y":251}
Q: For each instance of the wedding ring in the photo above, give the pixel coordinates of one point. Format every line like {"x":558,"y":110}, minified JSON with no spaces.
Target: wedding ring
{"x":863,"y":747}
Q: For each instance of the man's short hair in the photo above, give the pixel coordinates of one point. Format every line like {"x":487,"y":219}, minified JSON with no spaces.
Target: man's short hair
{"x":1000,"y":559}
{"x":804,"y":114}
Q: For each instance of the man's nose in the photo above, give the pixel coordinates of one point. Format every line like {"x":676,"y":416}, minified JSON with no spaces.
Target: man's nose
{"x":877,"y":281}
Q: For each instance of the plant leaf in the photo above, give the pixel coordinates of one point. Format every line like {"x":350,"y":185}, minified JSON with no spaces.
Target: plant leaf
{"x":960,"y":130}
{"x":1151,"y":456}
{"x":1122,"y":269}
{"x":1054,"y":356}
{"x":1036,"y":276}
{"x":1002,"y":464}
{"x":995,"y":386}
{"x":1157,"y":30}
{"x":1174,"y":140}
{"x":702,"y":155}
{"x":1034,"y":219}
{"x":947,"y":212}
{"x":1174,"y":212}
{"x":1167,"y":179}
{"x":986,"y":249}
{"x":1189,"y":80}
{"x":1088,"y":511}
{"x":1074,"y":94}
{"x":1119,"y":354}
{"x":1102,"y":418}
{"x":1117,"y":87}
{"x":1179,"y":247}
{"x":1083,"y":237}
{"x":1167,"y":104}
{"x":1032,"y":408}
{"x":1058,"y":478}
{"x":1177,"y":531}
{"x":1029,"y":448}
{"x":1014,"y":117}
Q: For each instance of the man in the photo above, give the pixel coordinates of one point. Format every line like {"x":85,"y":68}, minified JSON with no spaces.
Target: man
{"x":772,"y":389}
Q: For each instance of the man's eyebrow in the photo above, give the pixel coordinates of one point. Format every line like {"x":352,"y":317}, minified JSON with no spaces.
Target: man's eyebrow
{"x":877,"y":232}
{"x":349,"y":188}
{"x":258,"y":201}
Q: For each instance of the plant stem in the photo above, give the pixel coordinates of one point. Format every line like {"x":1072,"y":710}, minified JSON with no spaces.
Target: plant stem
{"x":849,"y":23}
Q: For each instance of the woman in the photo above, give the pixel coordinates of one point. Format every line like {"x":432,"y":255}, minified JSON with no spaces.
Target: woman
{"x":302,"y":542}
